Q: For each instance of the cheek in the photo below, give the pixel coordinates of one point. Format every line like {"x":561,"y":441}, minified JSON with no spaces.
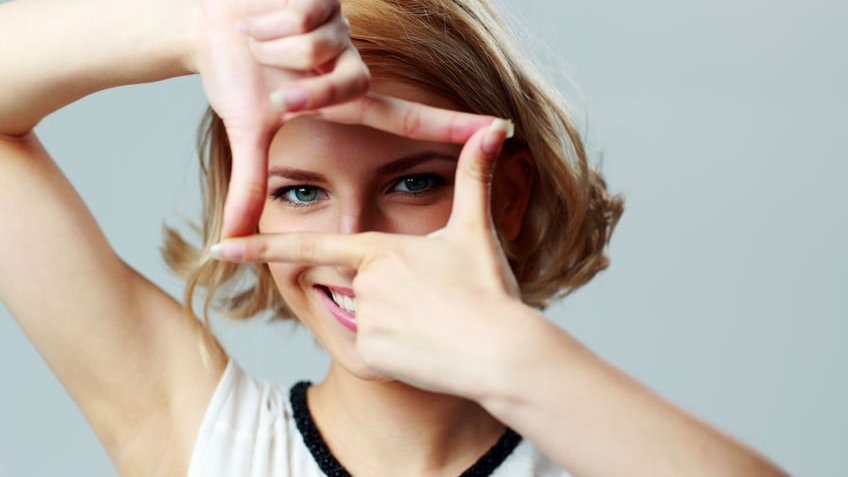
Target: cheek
{"x":286,"y":278}
{"x":285,"y":274}
{"x":277,"y":220}
{"x":420,"y":220}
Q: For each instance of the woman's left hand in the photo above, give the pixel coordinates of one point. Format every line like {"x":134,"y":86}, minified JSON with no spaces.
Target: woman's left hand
{"x":437,"y":311}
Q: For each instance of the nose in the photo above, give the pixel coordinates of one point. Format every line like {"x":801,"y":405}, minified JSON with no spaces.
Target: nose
{"x":355,"y":217}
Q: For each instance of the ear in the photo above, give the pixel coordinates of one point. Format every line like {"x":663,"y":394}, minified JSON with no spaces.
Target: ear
{"x":511,"y":185}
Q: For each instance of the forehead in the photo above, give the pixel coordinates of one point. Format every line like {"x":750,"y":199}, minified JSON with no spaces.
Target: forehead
{"x":312,"y":143}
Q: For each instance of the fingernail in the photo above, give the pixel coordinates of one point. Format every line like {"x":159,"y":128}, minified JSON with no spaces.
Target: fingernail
{"x":291,"y":100}
{"x":278,"y":101}
{"x":505,"y":124}
{"x":499,"y":130}
{"x":242,"y":27}
{"x":227,"y":251}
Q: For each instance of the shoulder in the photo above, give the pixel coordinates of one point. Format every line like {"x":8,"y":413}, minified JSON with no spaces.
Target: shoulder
{"x":247,"y":428}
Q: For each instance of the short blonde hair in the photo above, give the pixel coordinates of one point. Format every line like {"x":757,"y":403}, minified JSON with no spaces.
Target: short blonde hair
{"x":461,"y":50}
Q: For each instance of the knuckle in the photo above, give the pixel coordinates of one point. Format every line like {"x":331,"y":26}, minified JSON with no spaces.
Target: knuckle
{"x":308,"y":53}
{"x":411,"y":121}
{"x":454,"y":126}
{"x":389,"y":252}
{"x":324,"y":93}
{"x":305,"y":22}
{"x":343,"y":26}
{"x":338,"y":43}
{"x":306,"y":249}
{"x":250,"y":189}
{"x":331,"y":93}
{"x":362,"y":82}
{"x":479,"y":171}
{"x":316,"y":15}
{"x":346,"y":86}
{"x":259,"y":50}
{"x":325,"y":48}
{"x":365,"y":108}
{"x":255,"y":248}
{"x":255,"y":190}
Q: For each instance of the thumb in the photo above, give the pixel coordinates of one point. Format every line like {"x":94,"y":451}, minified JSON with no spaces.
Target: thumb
{"x":248,"y":182}
{"x":473,"y":184}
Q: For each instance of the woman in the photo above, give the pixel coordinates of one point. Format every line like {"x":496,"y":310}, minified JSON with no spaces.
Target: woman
{"x":427,"y":389}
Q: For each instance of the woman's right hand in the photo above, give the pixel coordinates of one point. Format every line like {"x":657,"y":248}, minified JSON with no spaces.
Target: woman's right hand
{"x":259,"y":59}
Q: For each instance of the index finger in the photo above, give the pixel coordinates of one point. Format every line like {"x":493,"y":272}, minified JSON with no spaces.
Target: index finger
{"x":308,"y":248}
{"x":404,"y":118}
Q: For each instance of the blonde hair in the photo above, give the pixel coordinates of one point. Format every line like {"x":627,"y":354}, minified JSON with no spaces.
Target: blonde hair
{"x":461,"y":50}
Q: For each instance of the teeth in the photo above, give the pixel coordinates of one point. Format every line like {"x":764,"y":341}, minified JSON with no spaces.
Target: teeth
{"x":344,"y":302}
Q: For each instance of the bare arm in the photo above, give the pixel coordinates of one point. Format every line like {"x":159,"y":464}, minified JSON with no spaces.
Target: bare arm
{"x":596,"y":421}
{"x":55,"y":52}
{"x":118,"y":344}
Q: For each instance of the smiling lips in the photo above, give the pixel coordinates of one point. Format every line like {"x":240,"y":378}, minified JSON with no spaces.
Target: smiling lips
{"x":345,"y":302}
{"x":341,"y":303}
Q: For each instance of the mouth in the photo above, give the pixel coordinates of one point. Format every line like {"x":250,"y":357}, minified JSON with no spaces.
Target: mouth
{"x":341,"y":303}
{"x":343,"y":297}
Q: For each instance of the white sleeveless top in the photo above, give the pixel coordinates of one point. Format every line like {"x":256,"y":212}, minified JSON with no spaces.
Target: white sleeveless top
{"x":249,"y":430}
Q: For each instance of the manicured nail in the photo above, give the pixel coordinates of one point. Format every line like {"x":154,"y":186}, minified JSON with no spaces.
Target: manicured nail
{"x":227,"y":251}
{"x":242,"y":27}
{"x":278,"y":101}
{"x":290,"y":101}
{"x":500,"y":128}
{"x":505,"y":124}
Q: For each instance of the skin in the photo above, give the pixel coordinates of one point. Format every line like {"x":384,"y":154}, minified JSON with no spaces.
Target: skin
{"x":247,"y":51}
{"x":431,"y":433}
{"x":468,"y":336}
{"x":129,"y":378}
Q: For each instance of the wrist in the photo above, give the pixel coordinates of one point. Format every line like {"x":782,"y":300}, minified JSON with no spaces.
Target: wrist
{"x":530,"y":353}
{"x":179,"y":23}
{"x":508,"y":353}
{"x":143,"y":41}
{"x":187,"y":36}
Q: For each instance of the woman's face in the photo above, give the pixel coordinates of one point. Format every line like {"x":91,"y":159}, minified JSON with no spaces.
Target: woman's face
{"x":334,"y":178}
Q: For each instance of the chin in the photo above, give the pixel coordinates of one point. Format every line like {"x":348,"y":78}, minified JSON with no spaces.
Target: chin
{"x":346,"y":358}
{"x":338,"y":341}
{"x":340,"y":344}
{"x":362,"y":372}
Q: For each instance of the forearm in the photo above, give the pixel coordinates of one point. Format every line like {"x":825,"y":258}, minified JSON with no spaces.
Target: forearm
{"x":596,"y":421}
{"x":53,"y":52}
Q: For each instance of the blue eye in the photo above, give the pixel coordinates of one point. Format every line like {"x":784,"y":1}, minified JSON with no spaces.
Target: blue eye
{"x":418,"y":184}
{"x":299,"y":195}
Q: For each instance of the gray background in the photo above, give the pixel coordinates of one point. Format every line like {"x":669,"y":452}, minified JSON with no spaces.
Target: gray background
{"x":720,"y":121}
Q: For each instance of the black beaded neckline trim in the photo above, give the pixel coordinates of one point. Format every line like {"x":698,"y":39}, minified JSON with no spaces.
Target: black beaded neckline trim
{"x":328,"y":464}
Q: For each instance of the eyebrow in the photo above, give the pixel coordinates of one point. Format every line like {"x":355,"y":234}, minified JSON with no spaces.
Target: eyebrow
{"x":398,"y":165}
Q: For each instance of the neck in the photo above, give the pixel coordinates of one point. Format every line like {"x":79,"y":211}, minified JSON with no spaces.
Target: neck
{"x":414,"y":432}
